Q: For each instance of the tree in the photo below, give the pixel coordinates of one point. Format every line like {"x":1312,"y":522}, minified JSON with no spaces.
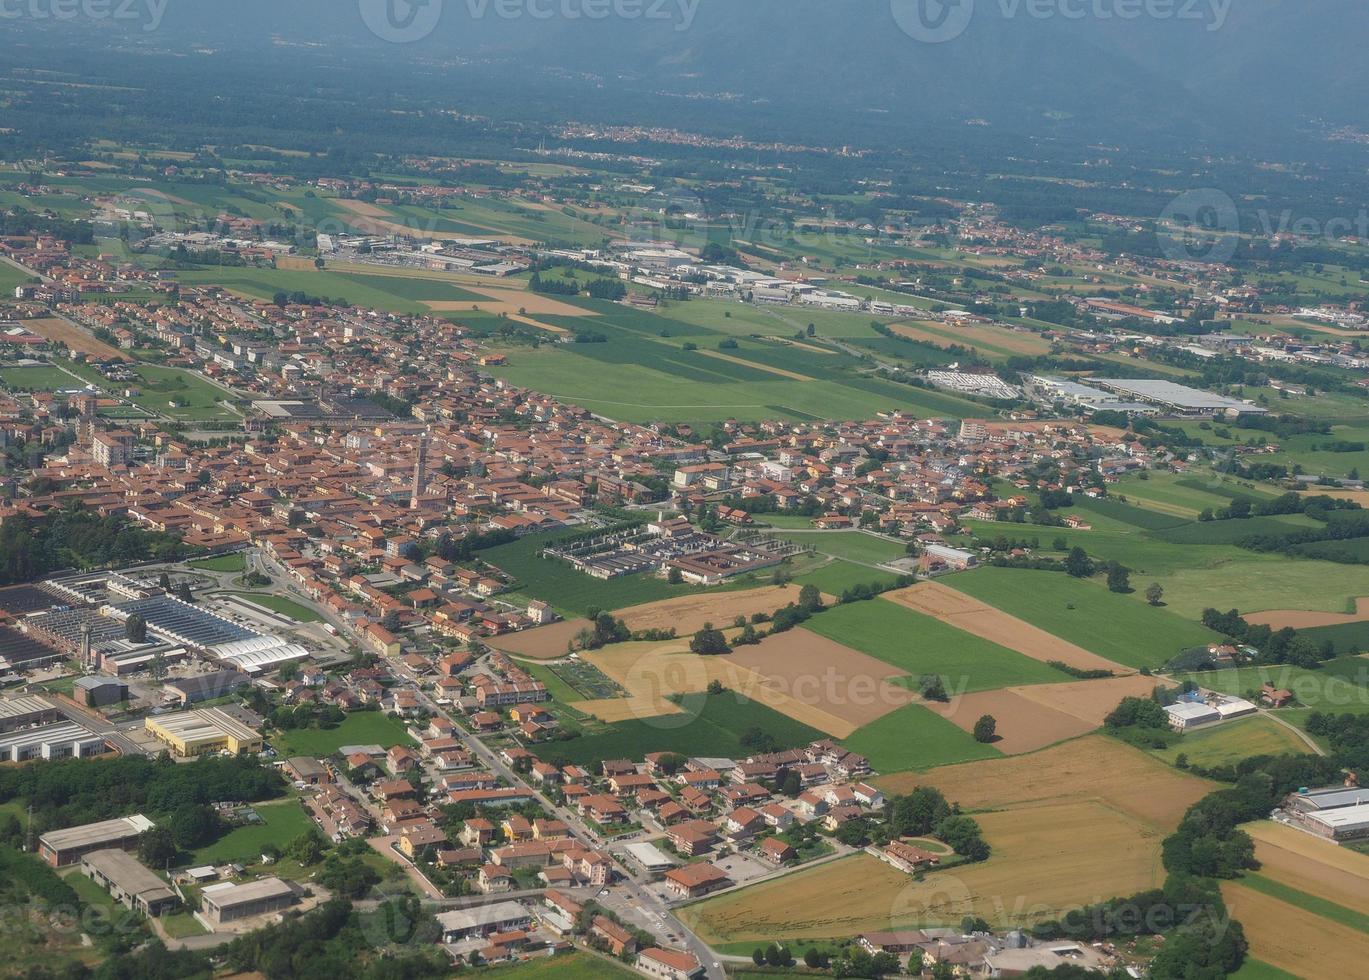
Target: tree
{"x":183,"y":592}
{"x":157,"y":848}
{"x":674,"y":576}
{"x":306,"y":849}
{"x":932,"y":688}
{"x":193,"y":826}
{"x":810,"y":598}
{"x":1154,"y":593}
{"x":164,"y":580}
{"x":709,"y":641}
{"x":986,"y":729}
{"x":1077,"y":563}
{"x":1119,"y":579}
{"x":135,"y":629}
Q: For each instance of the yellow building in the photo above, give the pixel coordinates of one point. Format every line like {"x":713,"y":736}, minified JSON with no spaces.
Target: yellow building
{"x":193,"y":733}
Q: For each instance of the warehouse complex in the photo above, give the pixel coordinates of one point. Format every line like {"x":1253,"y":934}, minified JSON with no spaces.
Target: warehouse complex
{"x":1339,"y":813}
{"x":128,"y":882}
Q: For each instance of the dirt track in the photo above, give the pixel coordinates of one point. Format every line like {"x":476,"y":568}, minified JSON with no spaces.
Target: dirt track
{"x":969,"y":614}
{"x":1307,"y":618}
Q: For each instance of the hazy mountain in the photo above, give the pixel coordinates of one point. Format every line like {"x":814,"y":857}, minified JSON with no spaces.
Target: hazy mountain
{"x":1209,"y":70}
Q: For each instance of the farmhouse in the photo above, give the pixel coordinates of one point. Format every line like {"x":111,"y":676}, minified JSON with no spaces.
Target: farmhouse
{"x":906,"y":857}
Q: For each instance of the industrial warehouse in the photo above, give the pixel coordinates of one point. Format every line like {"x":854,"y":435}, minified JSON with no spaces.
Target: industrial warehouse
{"x":206,"y":730}
{"x":1340,"y":813}
{"x":60,"y":848}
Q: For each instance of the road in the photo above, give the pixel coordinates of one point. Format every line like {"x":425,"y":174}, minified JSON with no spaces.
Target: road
{"x":638,"y":903}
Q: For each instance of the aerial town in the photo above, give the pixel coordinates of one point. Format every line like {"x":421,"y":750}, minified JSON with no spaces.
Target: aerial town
{"x":617,"y":543}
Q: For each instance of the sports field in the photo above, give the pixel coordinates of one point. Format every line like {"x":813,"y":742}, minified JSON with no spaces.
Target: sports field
{"x":235,"y":562}
{"x":1116,"y":627}
{"x":919,"y":644}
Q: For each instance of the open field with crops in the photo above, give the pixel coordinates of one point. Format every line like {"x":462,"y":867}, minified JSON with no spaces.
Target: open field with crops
{"x":920,"y":644}
{"x":708,"y":725}
{"x":1230,"y":742}
{"x":1289,"y":937}
{"x":961,"y":610}
{"x":1093,"y":768}
{"x":1115,"y":627}
{"x":1030,"y":718}
{"x":1046,"y":860}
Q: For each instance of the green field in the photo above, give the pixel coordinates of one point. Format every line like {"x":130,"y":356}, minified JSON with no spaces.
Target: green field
{"x":915,"y":737}
{"x":393,"y":294}
{"x":1333,"y":911}
{"x":1336,"y":685}
{"x":921,"y":645}
{"x":835,"y":577}
{"x":235,"y":562}
{"x":1253,"y":969}
{"x":281,"y":604}
{"x":359,"y":728}
{"x":1229,"y":743}
{"x":571,"y":966}
{"x":656,"y":379}
{"x":855,"y":546}
{"x":11,"y":277}
{"x":1113,"y":626}
{"x":572,"y":592}
{"x":710,"y":725}
{"x":281,"y":823}
{"x":45,"y":378}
